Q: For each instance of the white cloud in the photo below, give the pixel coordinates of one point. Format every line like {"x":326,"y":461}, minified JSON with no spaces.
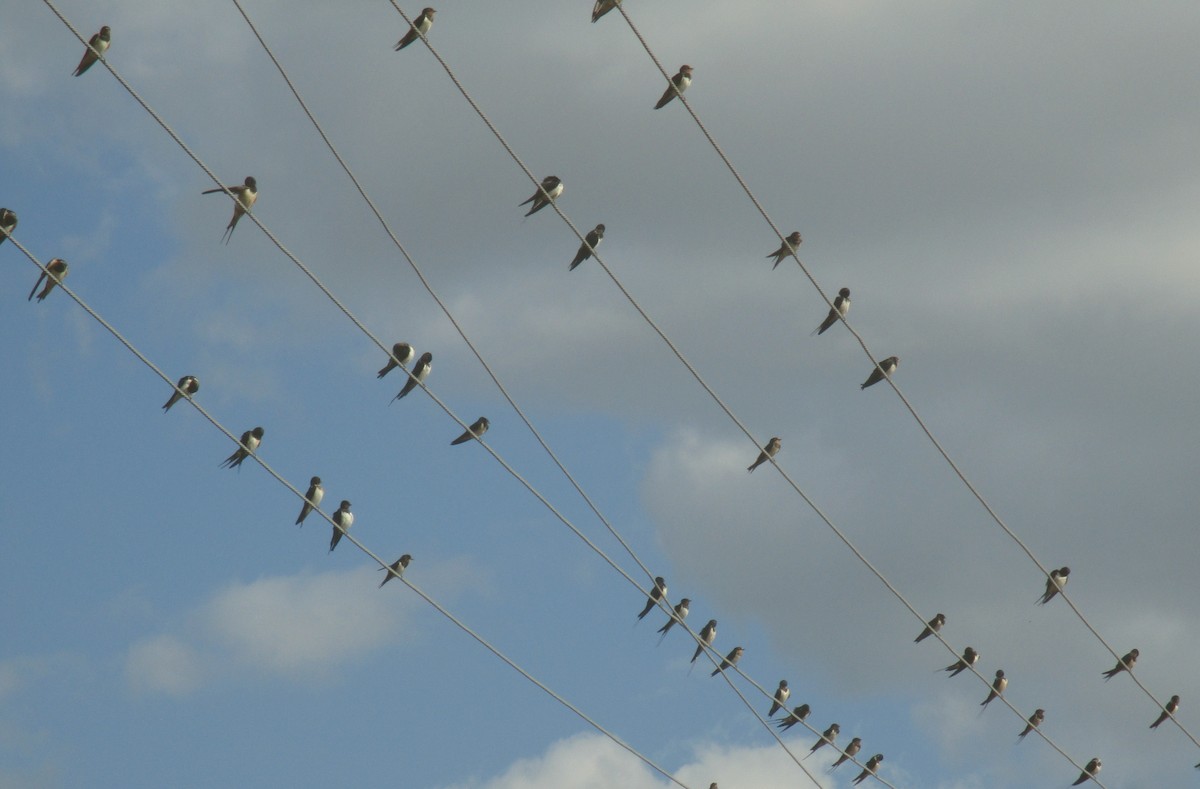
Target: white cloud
{"x":163,"y":664}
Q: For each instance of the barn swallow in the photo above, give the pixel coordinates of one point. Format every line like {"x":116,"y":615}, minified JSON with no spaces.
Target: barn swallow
{"x":1169,"y":710}
{"x":344,"y":519}
{"x":477,"y":429}
{"x":243,"y":200}
{"x":932,"y":626}
{"x":827,"y":737}
{"x":312,"y":499}
{"x":1035,"y":720}
{"x":768,"y":451}
{"x":395,"y":569}
{"x":1054,"y":584}
{"x":796,"y":715}
{"x":870,"y":768}
{"x":547,"y":193}
{"x":97,"y":45}
{"x":1089,"y":771}
{"x":1124,"y":664}
{"x":851,"y":751}
{"x":249,"y":442}
{"x":416,"y":375}
{"x":781,"y":697}
{"x":731,"y":659}
{"x":998,"y":686}
{"x":591,"y":241}
{"x":657,"y":593}
{"x":8,"y":223}
{"x":969,"y":658}
{"x":602,"y":7}
{"x":679,"y":83}
{"x":187,"y":386}
{"x":886,"y":367}
{"x":841,"y":305}
{"x":707,"y":634}
{"x":785,"y":249}
{"x":56,"y":271}
{"x":402,"y":353}
{"x":681,"y":612}
{"x":420,"y":27}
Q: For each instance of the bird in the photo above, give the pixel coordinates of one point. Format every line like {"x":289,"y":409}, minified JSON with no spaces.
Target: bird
{"x":590,"y":242}
{"x":402,"y":353}
{"x":248,"y":443}
{"x":969,"y":658}
{"x":1054,"y":584}
{"x":827,"y":737}
{"x":97,"y":45}
{"x":1089,"y":771}
{"x":418,"y":374}
{"x":998,"y":686}
{"x":769,"y":451}
{"x":731,"y":659}
{"x":243,"y":200}
{"x":56,"y":271}
{"x":1124,"y":664}
{"x":851,"y":751}
{"x":551,"y":188}
{"x":657,"y":593}
{"x":841,"y":305}
{"x":477,"y":429}
{"x":680,"y":614}
{"x":785,"y":249}
{"x":8,"y":223}
{"x":343,"y":519}
{"x":1035,"y":720}
{"x":932,"y":626}
{"x":602,"y":7}
{"x":870,"y":768}
{"x":395,"y":569}
{"x":796,"y":715}
{"x":420,"y":27}
{"x":707,"y":634}
{"x":1169,"y":710}
{"x":679,"y":83}
{"x":781,"y":697}
{"x":312,"y":499}
{"x":187,"y":386}
{"x":886,"y":367}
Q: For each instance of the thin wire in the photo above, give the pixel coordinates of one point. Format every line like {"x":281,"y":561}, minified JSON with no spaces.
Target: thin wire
{"x":383,"y":564}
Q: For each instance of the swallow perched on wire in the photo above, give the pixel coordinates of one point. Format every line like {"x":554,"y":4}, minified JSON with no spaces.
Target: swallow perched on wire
{"x":187,"y":386}
{"x":851,"y":751}
{"x":769,"y":451}
{"x":420,"y":27}
{"x":248,"y":444}
{"x":657,"y":593}
{"x":602,"y":7}
{"x":707,"y":634}
{"x":1054,"y":584}
{"x":97,"y":45}
{"x":870,"y":768}
{"x":590,"y":242}
{"x":1034,"y":721}
{"x":56,"y":271}
{"x":969,"y":658}
{"x":932,"y":626}
{"x":795,"y":716}
{"x":1089,"y":771}
{"x":885,"y":368}
{"x":998,"y":686}
{"x":343,"y":519}
{"x":8,"y":223}
{"x":395,"y":569}
{"x":841,"y":305}
{"x":312,"y":499}
{"x":415,"y":376}
{"x":1124,"y":664}
{"x":243,"y":200}
{"x":402,"y":353}
{"x":781,"y":697}
{"x":679,"y":83}
{"x":477,"y":429}
{"x":827,"y":738}
{"x":547,"y":193}
{"x":786,"y":249}
{"x":731,"y":659}
{"x":1168,"y":711}
{"x":680,"y":614}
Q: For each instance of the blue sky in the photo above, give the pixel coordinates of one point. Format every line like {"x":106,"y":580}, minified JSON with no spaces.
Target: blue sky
{"x":1009,"y":193}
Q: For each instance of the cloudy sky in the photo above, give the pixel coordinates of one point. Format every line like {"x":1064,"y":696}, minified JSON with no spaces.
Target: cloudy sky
{"x":1010,"y":191}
